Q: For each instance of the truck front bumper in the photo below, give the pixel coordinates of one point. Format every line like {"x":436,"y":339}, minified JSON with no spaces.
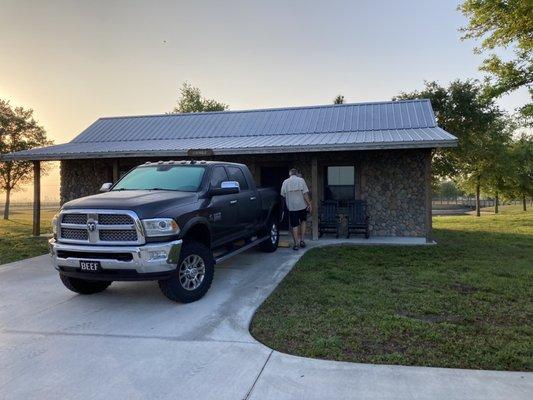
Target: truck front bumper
{"x":151,"y":261}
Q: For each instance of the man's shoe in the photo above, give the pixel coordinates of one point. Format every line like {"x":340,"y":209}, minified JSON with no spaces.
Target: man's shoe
{"x":295,"y":247}
{"x":302,"y":244}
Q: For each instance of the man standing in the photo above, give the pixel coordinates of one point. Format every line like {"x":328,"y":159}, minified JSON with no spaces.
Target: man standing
{"x":296,"y":195}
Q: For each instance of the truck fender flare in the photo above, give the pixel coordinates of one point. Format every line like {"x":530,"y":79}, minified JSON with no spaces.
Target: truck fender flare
{"x":195,"y":221}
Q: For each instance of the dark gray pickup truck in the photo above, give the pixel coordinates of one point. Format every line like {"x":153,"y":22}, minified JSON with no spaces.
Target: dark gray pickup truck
{"x":168,"y":221}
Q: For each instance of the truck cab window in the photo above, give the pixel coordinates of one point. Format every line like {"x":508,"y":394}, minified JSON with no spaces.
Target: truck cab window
{"x":235,"y":174}
{"x":218,"y":175}
{"x":162,"y":177}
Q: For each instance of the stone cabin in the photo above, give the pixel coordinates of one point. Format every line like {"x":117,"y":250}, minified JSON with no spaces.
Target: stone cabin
{"x":380,"y":152}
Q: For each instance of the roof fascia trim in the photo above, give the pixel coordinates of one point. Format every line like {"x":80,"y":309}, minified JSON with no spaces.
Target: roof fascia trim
{"x":234,"y":151}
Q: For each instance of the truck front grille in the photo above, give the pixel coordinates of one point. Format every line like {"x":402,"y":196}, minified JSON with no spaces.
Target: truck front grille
{"x":100,"y":227}
{"x":115,"y":219}
{"x":118,"y":235}
{"x":74,"y":234}
{"x":94,"y":256}
{"x":79,"y":219}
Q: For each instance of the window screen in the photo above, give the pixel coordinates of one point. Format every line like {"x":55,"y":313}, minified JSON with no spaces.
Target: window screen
{"x":340,"y":183}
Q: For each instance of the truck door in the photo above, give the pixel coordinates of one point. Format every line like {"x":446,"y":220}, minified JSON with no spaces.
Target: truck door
{"x":223,"y":210}
{"x":247,"y":200}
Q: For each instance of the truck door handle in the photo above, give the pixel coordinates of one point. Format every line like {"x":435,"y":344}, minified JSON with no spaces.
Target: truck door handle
{"x":233,"y":202}
{"x":252,"y":198}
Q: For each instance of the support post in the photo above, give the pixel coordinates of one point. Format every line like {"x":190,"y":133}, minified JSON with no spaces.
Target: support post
{"x":36,"y":198}
{"x":314,"y":199}
{"x":429,"y":199}
{"x":115,"y":171}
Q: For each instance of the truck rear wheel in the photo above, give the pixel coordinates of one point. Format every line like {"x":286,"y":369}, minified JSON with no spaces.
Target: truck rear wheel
{"x":84,"y":286}
{"x":271,"y":244}
{"x":192,"y":278}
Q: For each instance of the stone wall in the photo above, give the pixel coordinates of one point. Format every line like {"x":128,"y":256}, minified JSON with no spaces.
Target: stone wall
{"x":395,"y":186}
{"x":81,"y":178}
{"x":395,"y":183}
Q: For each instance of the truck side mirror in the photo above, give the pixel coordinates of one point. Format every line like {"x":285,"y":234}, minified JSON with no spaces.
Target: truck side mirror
{"x":226,"y":187}
{"x":106,"y":187}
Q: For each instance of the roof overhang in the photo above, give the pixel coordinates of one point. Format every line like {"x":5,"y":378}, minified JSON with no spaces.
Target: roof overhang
{"x":406,"y":124}
{"x":58,"y":152}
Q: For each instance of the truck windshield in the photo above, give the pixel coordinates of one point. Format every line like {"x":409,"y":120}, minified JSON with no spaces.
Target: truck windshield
{"x":163,"y":177}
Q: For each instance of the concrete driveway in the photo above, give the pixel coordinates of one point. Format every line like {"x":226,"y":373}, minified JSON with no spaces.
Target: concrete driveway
{"x":130,"y":342}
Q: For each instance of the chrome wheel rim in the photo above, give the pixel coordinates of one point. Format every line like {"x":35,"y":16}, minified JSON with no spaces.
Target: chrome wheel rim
{"x":274,"y":233}
{"x":191,"y":272}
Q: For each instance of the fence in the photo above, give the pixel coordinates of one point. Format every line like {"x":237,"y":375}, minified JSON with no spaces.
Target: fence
{"x":45,"y":205}
{"x":470,"y":202}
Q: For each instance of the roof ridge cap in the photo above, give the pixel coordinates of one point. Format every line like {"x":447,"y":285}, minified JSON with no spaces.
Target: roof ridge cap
{"x":267,"y":109}
{"x":259,"y":135}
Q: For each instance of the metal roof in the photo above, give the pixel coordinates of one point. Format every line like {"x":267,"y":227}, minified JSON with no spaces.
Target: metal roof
{"x":393,"y":124}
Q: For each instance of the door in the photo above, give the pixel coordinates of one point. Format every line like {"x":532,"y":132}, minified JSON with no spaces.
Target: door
{"x":223,"y":210}
{"x":247,"y":201}
{"x":274,"y":177}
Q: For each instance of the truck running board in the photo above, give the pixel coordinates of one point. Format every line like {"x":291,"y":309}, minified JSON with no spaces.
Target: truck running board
{"x":239,"y":250}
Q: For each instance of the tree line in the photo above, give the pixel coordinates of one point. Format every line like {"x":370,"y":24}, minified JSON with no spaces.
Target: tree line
{"x":491,"y":156}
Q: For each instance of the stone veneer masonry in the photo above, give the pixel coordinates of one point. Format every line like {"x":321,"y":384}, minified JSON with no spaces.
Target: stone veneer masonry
{"x":395,"y":183}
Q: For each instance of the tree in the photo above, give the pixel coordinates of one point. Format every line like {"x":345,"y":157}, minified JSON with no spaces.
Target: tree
{"x":521,"y":157}
{"x":448,"y":190}
{"x":191,"y":100}
{"x":339,"y":99}
{"x":503,"y":24}
{"x":18,"y":131}
{"x":480,"y":126}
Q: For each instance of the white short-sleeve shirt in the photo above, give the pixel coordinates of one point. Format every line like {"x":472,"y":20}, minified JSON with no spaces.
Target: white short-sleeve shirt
{"x":293,"y":189}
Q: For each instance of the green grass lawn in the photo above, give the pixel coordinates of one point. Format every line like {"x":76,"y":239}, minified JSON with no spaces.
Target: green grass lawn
{"x":466,"y":302}
{"x":16,"y":240}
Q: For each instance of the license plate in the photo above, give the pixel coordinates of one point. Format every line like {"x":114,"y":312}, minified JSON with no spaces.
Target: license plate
{"x":90,"y":266}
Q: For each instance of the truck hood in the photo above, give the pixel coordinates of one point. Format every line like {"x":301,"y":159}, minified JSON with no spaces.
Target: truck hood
{"x":146,"y":203}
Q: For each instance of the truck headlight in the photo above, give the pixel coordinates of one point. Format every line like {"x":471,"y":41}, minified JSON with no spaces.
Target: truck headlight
{"x":55,"y":220}
{"x":160,"y":227}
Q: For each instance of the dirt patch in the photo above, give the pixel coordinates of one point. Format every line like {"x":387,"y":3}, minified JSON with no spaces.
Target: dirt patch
{"x":463,"y":288}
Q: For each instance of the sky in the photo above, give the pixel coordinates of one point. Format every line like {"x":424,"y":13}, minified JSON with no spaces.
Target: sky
{"x":75,"y":61}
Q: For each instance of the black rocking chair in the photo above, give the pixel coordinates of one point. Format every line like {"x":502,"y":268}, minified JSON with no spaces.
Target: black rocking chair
{"x":357,"y":218}
{"x":328,"y":218}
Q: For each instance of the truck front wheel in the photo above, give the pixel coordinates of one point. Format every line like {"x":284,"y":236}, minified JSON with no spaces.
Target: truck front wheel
{"x":192,"y":278}
{"x":84,"y":286}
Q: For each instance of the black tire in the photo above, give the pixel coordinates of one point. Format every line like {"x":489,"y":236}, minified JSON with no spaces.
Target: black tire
{"x":175,"y":288}
{"x":271,"y":244}
{"x":84,"y":286}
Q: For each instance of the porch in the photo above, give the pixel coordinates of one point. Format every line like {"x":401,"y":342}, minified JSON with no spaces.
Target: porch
{"x":394,"y":183}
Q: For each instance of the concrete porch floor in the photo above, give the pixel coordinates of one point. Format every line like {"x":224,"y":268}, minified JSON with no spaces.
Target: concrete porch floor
{"x":285,"y":240}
